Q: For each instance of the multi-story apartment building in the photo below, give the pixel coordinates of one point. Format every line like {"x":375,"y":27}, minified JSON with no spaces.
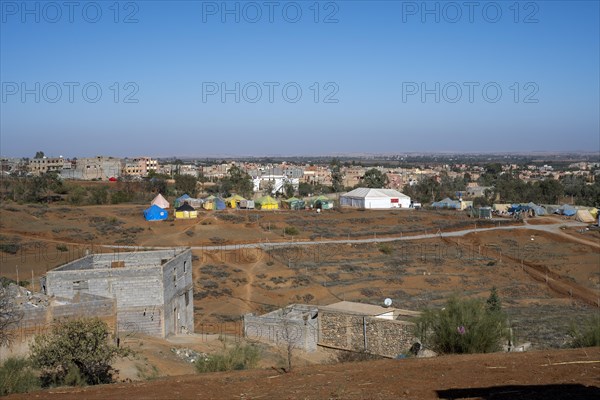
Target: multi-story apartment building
{"x":139,"y":166}
{"x":92,"y":168}
{"x":40,"y":166}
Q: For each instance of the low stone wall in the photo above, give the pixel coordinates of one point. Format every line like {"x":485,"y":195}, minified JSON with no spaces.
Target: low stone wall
{"x":281,"y":331}
{"x":355,"y":332}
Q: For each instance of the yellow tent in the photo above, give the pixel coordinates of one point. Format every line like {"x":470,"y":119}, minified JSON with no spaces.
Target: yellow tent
{"x":209,"y":203}
{"x":267,"y":203}
{"x":186,"y":212}
{"x":584,"y":216}
{"x":234,"y":200}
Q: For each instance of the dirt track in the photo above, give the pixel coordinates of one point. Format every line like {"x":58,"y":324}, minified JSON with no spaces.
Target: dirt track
{"x":558,"y":374}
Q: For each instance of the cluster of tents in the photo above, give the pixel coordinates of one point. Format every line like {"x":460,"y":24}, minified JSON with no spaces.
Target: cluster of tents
{"x":581,"y":213}
{"x":187,"y":207}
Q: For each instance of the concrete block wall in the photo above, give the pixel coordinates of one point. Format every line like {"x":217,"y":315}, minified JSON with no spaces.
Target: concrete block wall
{"x":86,"y":262}
{"x":130,"y":286}
{"x":145,"y":320}
{"x":178,"y":294}
{"x":153,"y":290}
{"x":347,"y":331}
{"x":132,"y":259}
{"x":40,"y":319}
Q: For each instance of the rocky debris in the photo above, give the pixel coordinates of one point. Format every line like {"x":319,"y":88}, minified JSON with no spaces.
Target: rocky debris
{"x":21,"y":296}
{"x":188,"y":355}
{"x":426,"y":353}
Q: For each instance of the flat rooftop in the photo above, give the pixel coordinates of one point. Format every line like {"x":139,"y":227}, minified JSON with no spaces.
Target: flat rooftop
{"x":368,"y":309}
{"x":118,"y":259}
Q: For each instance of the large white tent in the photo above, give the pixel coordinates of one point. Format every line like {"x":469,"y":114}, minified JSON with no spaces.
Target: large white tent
{"x":160,"y":201}
{"x":375,"y":198}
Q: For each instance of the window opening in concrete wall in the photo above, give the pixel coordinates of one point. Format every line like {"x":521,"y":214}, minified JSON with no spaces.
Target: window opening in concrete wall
{"x":80,"y":285}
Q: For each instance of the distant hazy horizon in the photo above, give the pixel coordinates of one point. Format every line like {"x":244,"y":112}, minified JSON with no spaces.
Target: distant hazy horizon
{"x":239,"y":79}
{"x":365,"y":156}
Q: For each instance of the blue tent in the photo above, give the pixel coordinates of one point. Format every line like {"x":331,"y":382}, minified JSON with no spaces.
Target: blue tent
{"x":568,"y":210}
{"x":538,"y":210}
{"x":515,"y":208}
{"x":180,"y":200}
{"x":219,"y":204}
{"x":446,"y":203}
{"x":155,"y":213}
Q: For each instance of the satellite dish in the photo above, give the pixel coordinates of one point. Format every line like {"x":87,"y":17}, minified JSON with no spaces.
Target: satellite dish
{"x":387,"y":302}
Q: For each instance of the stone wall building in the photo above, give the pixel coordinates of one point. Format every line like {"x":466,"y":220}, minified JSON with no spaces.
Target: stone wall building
{"x":153,"y":289}
{"x":366,"y":328}
{"x":360,"y":327}
{"x":295,"y":324}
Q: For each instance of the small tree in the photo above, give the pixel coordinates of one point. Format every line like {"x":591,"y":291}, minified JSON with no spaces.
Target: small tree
{"x":374,"y":178}
{"x":269,"y":188}
{"x":290,"y":334}
{"x":493,"y":302}
{"x":237,"y":181}
{"x":288,"y":189}
{"x":73,"y":351}
{"x":10,"y":316}
{"x":186,"y":184}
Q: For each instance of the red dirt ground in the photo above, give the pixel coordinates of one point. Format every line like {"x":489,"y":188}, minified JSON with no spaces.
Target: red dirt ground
{"x":557,"y":374}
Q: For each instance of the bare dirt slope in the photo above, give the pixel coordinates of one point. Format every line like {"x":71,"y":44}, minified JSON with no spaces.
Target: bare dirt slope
{"x":546,"y":283}
{"x":557,"y":374}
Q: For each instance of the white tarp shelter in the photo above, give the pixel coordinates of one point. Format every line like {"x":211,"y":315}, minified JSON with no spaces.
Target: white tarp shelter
{"x":375,"y":198}
{"x":160,"y":201}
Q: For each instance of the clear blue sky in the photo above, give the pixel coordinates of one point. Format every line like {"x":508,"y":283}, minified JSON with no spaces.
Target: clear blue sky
{"x":375,"y":61}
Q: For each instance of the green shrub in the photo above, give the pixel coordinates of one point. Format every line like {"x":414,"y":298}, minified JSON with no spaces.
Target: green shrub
{"x":120,"y":197}
{"x":99,"y":195}
{"x":75,"y":352}
{"x":17,"y":376}
{"x":386,"y":248}
{"x":61,"y":247}
{"x":291,"y":230}
{"x":462,"y":326}
{"x":76,"y":195}
{"x":235,"y":358}
{"x":10,"y":248}
{"x":587,"y":335}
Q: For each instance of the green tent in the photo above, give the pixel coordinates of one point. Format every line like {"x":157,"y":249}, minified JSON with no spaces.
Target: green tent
{"x":267,"y":203}
{"x":294,"y":203}
{"x":322,"y":202}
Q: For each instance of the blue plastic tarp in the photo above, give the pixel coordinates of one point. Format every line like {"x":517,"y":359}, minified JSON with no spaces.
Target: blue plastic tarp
{"x":155,"y":213}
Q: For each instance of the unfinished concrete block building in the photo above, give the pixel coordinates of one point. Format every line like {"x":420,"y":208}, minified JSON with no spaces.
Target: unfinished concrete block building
{"x":153,"y":289}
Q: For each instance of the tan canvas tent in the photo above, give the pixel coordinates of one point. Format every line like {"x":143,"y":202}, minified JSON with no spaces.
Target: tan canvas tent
{"x":584,"y":216}
{"x":160,"y":201}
